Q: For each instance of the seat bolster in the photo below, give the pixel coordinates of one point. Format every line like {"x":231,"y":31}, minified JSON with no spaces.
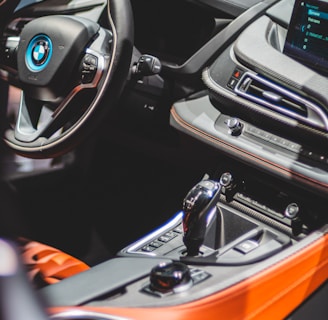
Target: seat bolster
{"x":47,"y":265}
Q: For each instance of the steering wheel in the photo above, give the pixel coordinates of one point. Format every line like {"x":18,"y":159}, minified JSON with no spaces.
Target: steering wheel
{"x":71,"y":71}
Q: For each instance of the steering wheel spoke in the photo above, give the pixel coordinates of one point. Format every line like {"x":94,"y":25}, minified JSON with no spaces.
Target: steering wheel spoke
{"x":27,"y":123}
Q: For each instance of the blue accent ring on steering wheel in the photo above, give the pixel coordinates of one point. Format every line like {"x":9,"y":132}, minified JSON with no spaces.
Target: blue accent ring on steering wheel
{"x":38,"y":53}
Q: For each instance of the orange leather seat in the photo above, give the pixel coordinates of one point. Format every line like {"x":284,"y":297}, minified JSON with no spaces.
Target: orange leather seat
{"x":47,"y":265}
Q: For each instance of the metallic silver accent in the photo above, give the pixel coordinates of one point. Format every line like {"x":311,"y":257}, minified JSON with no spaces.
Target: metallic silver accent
{"x":228,"y":94}
{"x":168,"y":226}
{"x":184,"y":287}
{"x":12,"y":39}
{"x":24,"y":118}
{"x":292,"y":210}
{"x":82,"y":314}
{"x":316,"y":117}
{"x":100,"y":69}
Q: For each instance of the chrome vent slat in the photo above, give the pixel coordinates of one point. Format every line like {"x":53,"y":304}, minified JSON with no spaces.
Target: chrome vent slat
{"x":280,"y":99}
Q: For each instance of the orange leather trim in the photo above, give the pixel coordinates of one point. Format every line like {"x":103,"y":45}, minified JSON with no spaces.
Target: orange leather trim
{"x":48,"y":265}
{"x":271,"y":294}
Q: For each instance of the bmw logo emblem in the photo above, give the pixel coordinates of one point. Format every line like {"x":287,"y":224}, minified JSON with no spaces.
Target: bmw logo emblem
{"x":38,"y":53}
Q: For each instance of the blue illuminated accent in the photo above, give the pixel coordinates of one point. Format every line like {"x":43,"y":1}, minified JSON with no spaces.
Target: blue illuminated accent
{"x":153,"y":234}
{"x":318,"y":14}
{"x":38,"y":53}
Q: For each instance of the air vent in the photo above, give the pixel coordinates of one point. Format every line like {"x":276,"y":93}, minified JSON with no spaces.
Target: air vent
{"x":280,"y":99}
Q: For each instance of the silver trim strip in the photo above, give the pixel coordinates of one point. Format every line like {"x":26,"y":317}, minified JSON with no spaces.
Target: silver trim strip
{"x":166,"y":227}
{"x":82,"y":314}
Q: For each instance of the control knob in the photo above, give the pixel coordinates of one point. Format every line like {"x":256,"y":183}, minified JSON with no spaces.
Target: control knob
{"x":234,"y":125}
{"x":170,"y":277}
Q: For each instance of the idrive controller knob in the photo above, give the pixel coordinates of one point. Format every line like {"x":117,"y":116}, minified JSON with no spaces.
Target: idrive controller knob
{"x":171,"y":276}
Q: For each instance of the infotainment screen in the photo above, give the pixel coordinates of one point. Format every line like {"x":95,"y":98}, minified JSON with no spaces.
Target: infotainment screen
{"x":307,"y":35}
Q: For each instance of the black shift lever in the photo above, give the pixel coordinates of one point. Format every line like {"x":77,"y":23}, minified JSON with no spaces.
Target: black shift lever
{"x":200,"y":201}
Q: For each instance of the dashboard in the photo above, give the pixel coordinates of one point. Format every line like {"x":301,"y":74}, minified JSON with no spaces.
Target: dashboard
{"x":238,"y":90}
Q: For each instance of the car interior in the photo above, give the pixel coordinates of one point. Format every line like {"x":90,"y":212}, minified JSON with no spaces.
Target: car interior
{"x":163,"y":159}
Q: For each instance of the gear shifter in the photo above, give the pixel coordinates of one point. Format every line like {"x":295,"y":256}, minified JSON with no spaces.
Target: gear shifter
{"x":198,"y":205}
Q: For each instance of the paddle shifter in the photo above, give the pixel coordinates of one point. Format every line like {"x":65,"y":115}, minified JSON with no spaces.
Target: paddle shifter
{"x":198,"y":206}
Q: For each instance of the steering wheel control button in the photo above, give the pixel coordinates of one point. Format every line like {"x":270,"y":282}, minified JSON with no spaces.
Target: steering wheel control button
{"x":292,"y":211}
{"x":38,"y":53}
{"x":88,"y":68}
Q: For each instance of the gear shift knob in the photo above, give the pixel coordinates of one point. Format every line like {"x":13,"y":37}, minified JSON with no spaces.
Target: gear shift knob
{"x":197,"y":205}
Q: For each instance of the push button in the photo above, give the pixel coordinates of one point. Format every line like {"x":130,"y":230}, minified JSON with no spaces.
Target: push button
{"x":246,"y":246}
{"x":155,"y":244}
{"x":164,"y":238}
{"x":88,"y":68}
{"x":292,"y":210}
{"x":232,"y":83}
{"x":237,"y":73}
{"x":148,"y":248}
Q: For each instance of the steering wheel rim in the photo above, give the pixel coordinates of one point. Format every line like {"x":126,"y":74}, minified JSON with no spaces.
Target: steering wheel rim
{"x":67,"y":67}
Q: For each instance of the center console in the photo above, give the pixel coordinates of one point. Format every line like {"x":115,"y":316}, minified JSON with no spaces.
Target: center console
{"x":242,"y":241}
{"x":229,"y":237}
